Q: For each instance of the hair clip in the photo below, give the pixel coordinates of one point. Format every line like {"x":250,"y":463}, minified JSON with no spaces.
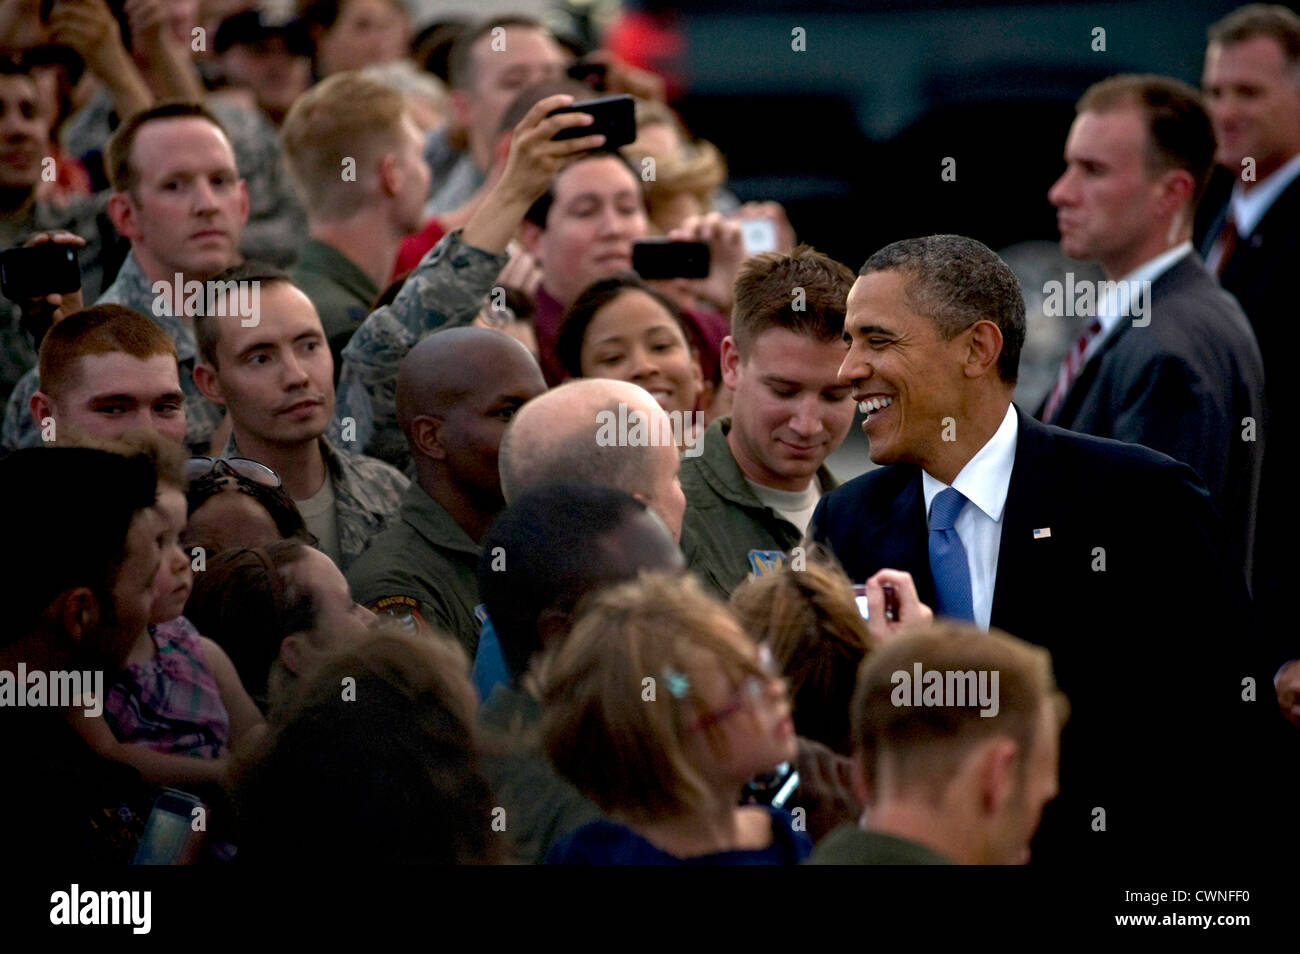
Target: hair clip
{"x":677,"y":682}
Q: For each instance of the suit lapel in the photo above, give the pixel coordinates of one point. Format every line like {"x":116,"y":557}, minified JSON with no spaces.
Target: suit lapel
{"x":900,"y":541}
{"x":1020,"y":554}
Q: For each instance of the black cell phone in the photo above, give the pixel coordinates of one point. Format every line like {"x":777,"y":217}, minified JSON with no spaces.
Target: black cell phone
{"x":613,"y":116}
{"x":38,"y":271}
{"x":662,"y":258}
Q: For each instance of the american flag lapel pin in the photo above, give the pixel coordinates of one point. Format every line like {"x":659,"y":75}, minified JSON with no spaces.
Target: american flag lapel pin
{"x":1042,"y":533}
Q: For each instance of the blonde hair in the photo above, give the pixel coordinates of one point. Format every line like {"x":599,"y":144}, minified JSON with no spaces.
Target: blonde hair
{"x":810,"y":621}
{"x":348,"y":116}
{"x":619,"y":695}
{"x":926,"y":744}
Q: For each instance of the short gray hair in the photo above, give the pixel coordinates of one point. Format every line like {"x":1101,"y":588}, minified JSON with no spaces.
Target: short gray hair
{"x":956,"y":281}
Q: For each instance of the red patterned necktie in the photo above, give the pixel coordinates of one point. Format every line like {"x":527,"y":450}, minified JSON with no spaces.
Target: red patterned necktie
{"x":1070,"y":368}
{"x":1227,"y":243}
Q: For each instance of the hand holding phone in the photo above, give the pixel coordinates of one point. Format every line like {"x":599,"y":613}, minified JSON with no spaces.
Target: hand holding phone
{"x":614,"y":117}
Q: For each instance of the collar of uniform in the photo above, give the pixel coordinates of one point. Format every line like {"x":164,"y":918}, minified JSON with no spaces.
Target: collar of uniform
{"x":431,"y":520}
{"x":321,"y":258}
{"x":336,"y":462}
{"x":1248,"y":208}
{"x":133,"y":289}
{"x":724,"y":474}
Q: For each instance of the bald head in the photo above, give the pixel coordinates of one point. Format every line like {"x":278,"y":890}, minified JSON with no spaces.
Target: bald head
{"x":553,"y":438}
{"x":450,"y":366}
{"x":456,"y":392}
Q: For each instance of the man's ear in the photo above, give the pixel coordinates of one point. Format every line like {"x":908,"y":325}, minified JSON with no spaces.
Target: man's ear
{"x":121,"y":212}
{"x":861,"y":784}
{"x":390,"y":175}
{"x":461,"y":114}
{"x":985,"y":347}
{"x":530,"y":234}
{"x":79,"y":612}
{"x":996,"y":770}
{"x":1176,"y":189}
{"x":426,"y":434}
{"x":293,"y":654}
{"x":243,"y":203}
{"x":42,"y":406}
{"x":206,"y":380}
{"x":730,"y":361}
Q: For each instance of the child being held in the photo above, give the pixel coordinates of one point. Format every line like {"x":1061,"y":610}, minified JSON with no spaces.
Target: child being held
{"x":178,"y":706}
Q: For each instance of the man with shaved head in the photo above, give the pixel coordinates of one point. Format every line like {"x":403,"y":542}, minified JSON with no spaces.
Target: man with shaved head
{"x":559,"y":437}
{"x":456,"y":392}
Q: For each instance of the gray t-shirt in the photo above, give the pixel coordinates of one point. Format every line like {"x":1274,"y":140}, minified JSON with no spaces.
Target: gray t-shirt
{"x":322,"y":519}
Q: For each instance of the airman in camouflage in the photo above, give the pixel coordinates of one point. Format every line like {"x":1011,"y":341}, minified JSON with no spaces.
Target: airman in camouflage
{"x":367,"y":496}
{"x":131,"y":289}
{"x":277,"y":224}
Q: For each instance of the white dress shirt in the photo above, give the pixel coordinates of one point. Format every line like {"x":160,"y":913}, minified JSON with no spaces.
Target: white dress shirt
{"x":984,"y":482}
{"x":1123,"y":306}
{"x":1248,"y":208}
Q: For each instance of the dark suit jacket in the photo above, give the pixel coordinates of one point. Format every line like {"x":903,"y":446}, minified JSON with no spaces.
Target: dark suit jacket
{"x":1182,"y":385}
{"x":1146,"y":615}
{"x":1261,"y":274}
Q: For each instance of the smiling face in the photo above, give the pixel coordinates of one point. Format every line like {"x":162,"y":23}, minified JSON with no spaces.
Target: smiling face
{"x":790,"y":410}
{"x":276,"y":379}
{"x":904,"y":374}
{"x":189,"y":205}
{"x":635,"y":338}
{"x":1253,"y":97}
{"x":596,"y":215}
{"x":24,"y":133}
{"x":1107,"y":202}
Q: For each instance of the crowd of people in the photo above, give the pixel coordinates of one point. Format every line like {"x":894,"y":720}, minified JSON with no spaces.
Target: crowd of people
{"x":394,"y":517}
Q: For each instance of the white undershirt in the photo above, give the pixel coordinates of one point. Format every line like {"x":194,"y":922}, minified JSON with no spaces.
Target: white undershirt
{"x":797,"y":506}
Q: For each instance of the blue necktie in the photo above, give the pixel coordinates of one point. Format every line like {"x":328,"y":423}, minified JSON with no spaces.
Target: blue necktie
{"x":948,"y":559}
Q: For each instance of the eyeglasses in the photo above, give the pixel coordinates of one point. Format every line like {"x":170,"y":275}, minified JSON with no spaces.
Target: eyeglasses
{"x":748,"y":694}
{"x":251,"y":470}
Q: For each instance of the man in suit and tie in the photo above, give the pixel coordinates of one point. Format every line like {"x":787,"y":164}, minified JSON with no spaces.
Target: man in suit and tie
{"x":1250,"y":235}
{"x":1168,"y":358}
{"x":1110,"y":555}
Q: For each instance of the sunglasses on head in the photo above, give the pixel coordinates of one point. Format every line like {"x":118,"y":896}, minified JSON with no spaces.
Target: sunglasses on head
{"x":250,"y":470}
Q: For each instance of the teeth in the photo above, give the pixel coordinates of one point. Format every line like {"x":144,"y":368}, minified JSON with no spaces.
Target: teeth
{"x":871,"y":405}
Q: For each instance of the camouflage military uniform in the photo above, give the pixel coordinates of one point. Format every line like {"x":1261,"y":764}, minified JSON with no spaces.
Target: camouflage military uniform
{"x":131,"y":289}
{"x":423,"y":566}
{"x":445,"y":290}
{"x":80,"y":217}
{"x":277,"y":224}
{"x":367,"y":496}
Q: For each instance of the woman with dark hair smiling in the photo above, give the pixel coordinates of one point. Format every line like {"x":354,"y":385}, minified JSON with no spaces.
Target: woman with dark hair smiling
{"x":620,"y":328}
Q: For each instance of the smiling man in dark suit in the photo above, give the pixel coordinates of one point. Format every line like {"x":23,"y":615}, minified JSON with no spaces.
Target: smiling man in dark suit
{"x":1250,"y":228}
{"x":1091,"y":548}
{"x":1168,"y":358}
